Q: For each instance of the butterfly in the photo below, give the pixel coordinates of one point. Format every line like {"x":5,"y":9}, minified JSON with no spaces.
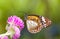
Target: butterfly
{"x":36,"y":23}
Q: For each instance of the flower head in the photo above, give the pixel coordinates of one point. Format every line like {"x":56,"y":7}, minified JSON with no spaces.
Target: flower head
{"x":16,"y":21}
{"x":14,"y":27}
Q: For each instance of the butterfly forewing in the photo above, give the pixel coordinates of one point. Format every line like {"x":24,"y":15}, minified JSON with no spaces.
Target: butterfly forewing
{"x":33,"y":24}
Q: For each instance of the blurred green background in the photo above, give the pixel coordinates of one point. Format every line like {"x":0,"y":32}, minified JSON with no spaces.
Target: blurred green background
{"x":47,"y":8}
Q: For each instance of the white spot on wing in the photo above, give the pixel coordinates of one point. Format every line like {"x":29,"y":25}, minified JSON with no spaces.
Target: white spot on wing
{"x":31,"y":24}
{"x":44,"y":22}
{"x":43,"y":19}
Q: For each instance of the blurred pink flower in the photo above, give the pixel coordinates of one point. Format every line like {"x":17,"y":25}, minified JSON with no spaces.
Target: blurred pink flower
{"x":14,"y":28}
{"x":16,"y":21}
{"x":17,"y":24}
{"x":3,"y":37}
{"x":15,"y":32}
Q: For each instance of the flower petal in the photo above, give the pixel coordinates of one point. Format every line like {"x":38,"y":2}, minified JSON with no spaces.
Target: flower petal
{"x":17,"y":32}
{"x":3,"y":37}
{"x":16,"y":21}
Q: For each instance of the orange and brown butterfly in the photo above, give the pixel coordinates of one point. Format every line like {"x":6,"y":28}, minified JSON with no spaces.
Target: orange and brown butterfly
{"x":35,"y":23}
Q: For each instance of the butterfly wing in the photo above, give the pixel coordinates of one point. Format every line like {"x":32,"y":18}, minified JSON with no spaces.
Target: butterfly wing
{"x":33,"y":24}
{"x":45,"y":21}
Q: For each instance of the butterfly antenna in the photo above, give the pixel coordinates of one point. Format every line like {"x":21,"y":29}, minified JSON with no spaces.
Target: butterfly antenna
{"x":25,"y":16}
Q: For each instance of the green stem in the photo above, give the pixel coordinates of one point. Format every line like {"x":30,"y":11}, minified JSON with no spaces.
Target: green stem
{"x":6,"y":34}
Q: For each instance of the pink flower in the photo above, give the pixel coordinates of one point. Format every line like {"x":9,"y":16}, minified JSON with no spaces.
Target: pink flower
{"x":16,"y":21}
{"x":3,"y":37}
{"x":17,"y":33}
{"x":14,"y":27}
